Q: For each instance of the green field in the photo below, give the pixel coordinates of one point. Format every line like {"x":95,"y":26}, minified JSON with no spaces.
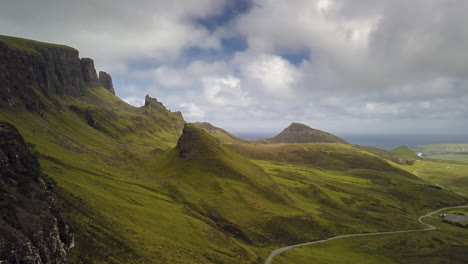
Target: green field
{"x":456,"y":152}
{"x":448,"y":244}
{"x":447,"y":175}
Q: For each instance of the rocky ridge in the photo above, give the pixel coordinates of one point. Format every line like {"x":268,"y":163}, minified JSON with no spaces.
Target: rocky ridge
{"x":33,"y":229}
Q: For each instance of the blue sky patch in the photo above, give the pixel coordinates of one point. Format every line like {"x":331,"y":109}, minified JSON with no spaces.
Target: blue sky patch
{"x":232,"y":10}
{"x":234,"y":44}
{"x":296,"y":58}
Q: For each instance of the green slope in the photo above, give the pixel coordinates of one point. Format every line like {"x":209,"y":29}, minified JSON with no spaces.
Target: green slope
{"x":449,"y":244}
{"x":286,"y":200}
{"x":402,"y":155}
{"x":404,"y":152}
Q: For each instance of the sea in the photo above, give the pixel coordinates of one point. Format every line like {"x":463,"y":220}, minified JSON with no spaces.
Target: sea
{"x":384,"y":141}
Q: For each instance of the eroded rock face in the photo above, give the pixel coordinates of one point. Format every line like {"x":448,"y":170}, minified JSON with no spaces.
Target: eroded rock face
{"x":49,"y":70}
{"x":152,"y":102}
{"x":41,"y":68}
{"x":186,"y":141}
{"x":32,"y":227}
{"x":89,"y":72}
{"x":106,"y":81}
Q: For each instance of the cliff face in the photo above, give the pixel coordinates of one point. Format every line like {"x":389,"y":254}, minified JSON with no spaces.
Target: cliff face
{"x":48,"y":68}
{"x":106,"y":81}
{"x":32,"y":227}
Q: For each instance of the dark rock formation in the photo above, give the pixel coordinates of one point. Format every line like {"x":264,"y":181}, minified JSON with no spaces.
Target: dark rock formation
{"x":106,"y":81}
{"x":186,"y":142}
{"x":89,"y":72}
{"x":28,"y":68}
{"x":152,"y":102}
{"x":91,"y":78}
{"x":32,"y":227}
{"x":48,"y":69}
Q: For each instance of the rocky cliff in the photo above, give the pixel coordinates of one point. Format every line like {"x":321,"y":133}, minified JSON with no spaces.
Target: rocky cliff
{"x":32,"y":227}
{"x":29,"y":67}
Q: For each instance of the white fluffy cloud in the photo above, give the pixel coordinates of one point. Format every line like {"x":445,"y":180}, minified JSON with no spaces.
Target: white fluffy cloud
{"x":225,"y":91}
{"x":273,"y":74}
{"x":192,"y":110}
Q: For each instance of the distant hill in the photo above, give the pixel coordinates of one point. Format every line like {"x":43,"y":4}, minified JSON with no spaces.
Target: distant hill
{"x":300,"y":133}
{"x":222,"y":135}
{"x":400,"y":155}
{"x":404,"y":152}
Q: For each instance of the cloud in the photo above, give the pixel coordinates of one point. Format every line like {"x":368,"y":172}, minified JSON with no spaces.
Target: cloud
{"x":192,"y":111}
{"x":225,"y":91}
{"x":362,"y":64}
{"x":114,"y":32}
{"x":275,"y":75}
{"x":135,"y":101}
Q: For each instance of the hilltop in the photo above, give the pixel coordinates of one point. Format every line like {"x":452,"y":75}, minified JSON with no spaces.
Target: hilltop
{"x":300,"y":133}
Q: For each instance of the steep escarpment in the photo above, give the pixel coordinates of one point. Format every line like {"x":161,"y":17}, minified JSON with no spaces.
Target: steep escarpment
{"x":29,"y":67}
{"x":300,"y":133}
{"x":32,"y":226}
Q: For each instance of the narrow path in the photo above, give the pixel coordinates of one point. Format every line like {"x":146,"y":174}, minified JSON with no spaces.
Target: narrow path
{"x":420,"y":219}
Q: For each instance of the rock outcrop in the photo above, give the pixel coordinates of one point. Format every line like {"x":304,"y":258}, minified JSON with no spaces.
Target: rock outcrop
{"x":152,"y":102}
{"x":29,"y":67}
{"x":106,"y":81}
{"x":196,"y":143}
{"x":92,"y":79}
{"x":89,"y":72}
{"x":32,"y":227}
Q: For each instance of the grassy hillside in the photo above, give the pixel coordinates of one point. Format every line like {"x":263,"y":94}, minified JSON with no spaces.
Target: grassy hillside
{"x":449,"y":244}
{"x":402,"y":155}
{"x":285,"y":203}
{"x":447,"y":175}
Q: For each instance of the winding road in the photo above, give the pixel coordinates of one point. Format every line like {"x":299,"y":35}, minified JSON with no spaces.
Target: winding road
{"x":420,"y":219}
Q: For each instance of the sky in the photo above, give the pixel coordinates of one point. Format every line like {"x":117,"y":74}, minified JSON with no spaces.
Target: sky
{"x":368,"y":66}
